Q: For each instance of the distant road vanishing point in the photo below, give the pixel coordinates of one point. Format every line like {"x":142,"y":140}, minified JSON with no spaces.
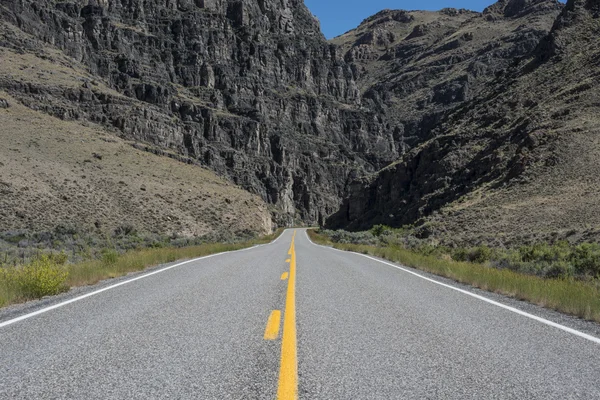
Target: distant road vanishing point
{"x":291,"y":320}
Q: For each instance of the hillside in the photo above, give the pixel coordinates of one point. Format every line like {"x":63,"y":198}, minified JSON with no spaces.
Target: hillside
{"x":58,"y":176}
{"x":416,"y":65}
{"x":517,"y":163}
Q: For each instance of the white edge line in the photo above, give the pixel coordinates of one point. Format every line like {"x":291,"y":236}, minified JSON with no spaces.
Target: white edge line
{"x":279,"y":237}
{"x":482,"y":298}
{"x":85,"y":296}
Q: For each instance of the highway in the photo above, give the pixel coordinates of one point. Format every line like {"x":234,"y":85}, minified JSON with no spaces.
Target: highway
{"x":292,"y":320}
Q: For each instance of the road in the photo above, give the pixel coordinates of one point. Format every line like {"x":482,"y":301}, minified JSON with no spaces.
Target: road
{"x":285,"y":319}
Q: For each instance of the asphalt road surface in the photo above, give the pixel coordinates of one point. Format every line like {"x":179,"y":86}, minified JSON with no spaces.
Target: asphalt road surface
{"x":291,"y":319}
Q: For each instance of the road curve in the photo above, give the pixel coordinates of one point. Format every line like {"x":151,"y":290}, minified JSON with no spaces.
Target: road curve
{"x":213,"y":329}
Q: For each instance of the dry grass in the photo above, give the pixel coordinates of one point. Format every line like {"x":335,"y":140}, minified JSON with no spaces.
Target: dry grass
{"x":30,"y":282}
{"x":573,"y":297}
{"x":48,"y":66}
{"x":56,"y":172}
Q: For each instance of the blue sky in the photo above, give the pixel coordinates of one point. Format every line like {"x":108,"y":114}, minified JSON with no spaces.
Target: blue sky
{"x":339,"y":16}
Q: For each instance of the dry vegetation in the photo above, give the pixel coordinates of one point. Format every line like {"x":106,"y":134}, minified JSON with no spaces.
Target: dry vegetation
{"x":51,"y":274}
{"x":570,"y":296}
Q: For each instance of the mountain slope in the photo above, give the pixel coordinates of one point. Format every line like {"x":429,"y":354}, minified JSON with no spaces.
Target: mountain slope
{"x":252,"y":90}
{"x":517,"y":163}
{"x":57,"y":175}
{"x":416,"y":65}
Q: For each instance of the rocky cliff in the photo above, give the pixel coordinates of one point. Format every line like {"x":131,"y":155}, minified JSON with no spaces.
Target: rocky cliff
{"x":516,"y":162}
{"x":414,"y":66}
{"x":250,"y":89}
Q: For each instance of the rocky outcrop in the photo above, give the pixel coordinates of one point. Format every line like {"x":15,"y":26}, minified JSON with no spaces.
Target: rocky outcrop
{"x":515,"y":162}
{"x":250,"y":89}
{"x":419,"y":65}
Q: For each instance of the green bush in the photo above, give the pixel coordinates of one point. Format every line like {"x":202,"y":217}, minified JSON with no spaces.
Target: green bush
{"x":427,"y":249}
{"x":586,"y":259}
{"x":157,"y":245}
{"x":42,"y":277}
{"x":481,"y":254}
{"x":460,"y":254}
{"x":543,"y":252}
{"x":110,"y":257}
{"x":378,"y":230}
{"x":559,"y":269}
{"x":59,"y":258}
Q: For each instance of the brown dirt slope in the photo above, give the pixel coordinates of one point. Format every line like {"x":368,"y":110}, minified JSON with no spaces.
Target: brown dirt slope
{"x":54,"y":173}
{"x":518,"y":163}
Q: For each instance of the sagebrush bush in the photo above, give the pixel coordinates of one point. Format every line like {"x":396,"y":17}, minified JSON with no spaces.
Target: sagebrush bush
{"x":460,"y":254}
{"x":545,"y":252}
{"x":42,"y":277}
{"x":481,"y":255}
{"x":58,"y":258}
{"x":586,"y":259}
{"x":379,"y":230}
{"x":560,"y":269}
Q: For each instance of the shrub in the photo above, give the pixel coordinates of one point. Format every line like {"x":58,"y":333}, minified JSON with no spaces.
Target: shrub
{"x":559,"y":269}
{"x":586,"y":259}
{"x":543,"y":252}
{"x":155,"y":244}
{"x":460,"y":254}
{"x":426,"y":249}
{"x":59,"y":258}
{"x":125,"y":230}
{"x":65,"y":230}
{"x":110,"y":257}
{"x":481,"y":254}
{"x":378,"y":230}
{"x":42,"y":277}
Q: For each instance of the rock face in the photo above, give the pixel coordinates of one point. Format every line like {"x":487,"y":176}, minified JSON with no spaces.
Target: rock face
{"x":516,"y":161}
{"x":414,"y":66}
{"x":249,"y":88}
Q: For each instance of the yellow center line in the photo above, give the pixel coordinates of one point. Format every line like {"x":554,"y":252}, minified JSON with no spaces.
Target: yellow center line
{"x":272,"y":329}
{"x":288,"y":372}
{"x":284,"y":276}
{"x":292,"y":245}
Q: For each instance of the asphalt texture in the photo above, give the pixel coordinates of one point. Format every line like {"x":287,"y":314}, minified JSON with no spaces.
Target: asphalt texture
{"x":365,"y":330}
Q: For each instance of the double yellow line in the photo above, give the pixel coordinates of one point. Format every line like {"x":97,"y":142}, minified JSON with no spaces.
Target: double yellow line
{"x":288,"y":371}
